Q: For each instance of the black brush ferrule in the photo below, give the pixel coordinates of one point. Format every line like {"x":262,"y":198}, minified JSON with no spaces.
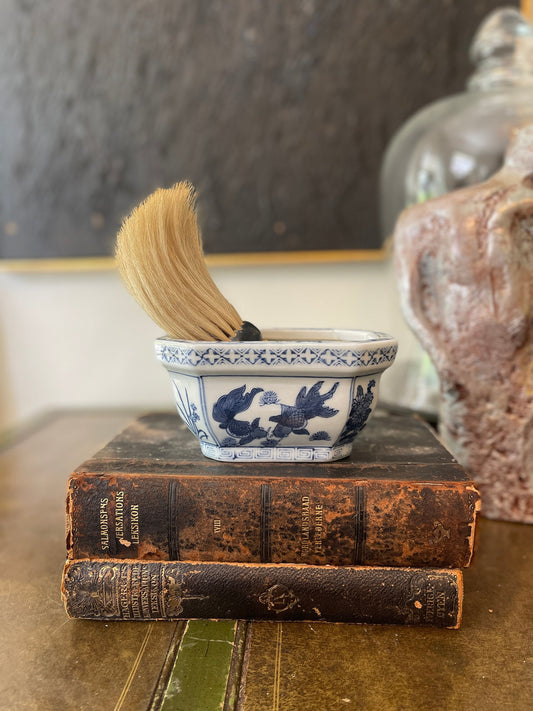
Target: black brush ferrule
{"x":247,"y":332}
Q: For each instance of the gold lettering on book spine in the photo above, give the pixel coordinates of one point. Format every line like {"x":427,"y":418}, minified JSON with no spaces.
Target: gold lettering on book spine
{"x":441,"y":604}
{"x":319,"y":528}
{"x":430,"y":604}
{"x":145,"y":593}
{"x":123,"y":580}
{"x":134,"y":523}
{"x":436,"y":601}
{"x":104,"y":524}
{"x":305,"y":539}
{"x":135,"y":591}
{"x":119,"y":515}
{"x":156,"y":588}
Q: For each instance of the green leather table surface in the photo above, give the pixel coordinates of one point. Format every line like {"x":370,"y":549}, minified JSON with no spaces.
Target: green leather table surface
{"x":50,"y":662}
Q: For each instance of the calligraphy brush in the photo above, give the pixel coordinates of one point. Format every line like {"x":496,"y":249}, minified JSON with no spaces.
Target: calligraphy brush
{"x":160,"y":258}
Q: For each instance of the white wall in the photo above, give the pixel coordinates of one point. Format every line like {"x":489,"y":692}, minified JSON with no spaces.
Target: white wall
{"x":79,"y":339}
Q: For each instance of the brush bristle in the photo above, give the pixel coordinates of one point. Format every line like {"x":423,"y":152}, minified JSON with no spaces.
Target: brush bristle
{"x":160,"y":258}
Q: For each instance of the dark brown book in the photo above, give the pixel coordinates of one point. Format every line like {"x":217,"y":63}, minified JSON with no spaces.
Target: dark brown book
{"x":400,"y":499}
{"x":148,"y":590}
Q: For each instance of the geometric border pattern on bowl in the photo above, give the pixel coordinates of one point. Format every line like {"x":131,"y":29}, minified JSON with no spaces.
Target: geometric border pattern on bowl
{"x":280,"y":454}
{"x":274,"y":354}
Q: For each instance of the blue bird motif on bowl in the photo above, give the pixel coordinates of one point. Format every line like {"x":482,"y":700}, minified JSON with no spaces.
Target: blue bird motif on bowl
{"x":230,"y":405}
{"x":294,"y":418}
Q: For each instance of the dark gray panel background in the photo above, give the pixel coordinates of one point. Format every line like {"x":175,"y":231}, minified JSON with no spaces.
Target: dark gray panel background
{"x":279,"y":113}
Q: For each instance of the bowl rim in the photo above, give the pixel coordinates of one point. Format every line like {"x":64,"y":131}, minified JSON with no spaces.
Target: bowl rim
{"x":303,"y":337}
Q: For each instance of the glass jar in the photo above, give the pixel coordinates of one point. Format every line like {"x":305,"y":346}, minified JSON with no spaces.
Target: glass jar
{"x":461,"y":140}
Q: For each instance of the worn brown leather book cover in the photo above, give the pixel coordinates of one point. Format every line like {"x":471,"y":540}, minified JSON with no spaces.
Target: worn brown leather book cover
{"x":147,"y":590}
{"x":400,"y":499}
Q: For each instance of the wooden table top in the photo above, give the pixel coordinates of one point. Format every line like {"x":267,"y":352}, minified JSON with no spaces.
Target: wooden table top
{"x":50,"y":662}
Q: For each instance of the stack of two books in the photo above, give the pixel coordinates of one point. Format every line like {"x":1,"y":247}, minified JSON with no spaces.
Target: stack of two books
{"x":157,"y":531}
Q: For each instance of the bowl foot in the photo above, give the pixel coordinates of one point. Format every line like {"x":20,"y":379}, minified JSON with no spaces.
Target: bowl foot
{"x":275,"y":454}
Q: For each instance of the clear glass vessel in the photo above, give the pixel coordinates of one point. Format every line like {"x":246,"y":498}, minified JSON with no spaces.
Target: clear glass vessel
{"x":460,"y":140}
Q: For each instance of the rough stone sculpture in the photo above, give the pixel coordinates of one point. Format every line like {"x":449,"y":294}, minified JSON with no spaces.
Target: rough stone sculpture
{"x":465,"y":272}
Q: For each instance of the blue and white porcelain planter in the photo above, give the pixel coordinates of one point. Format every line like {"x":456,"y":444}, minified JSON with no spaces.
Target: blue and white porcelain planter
{"x":298,"y":395}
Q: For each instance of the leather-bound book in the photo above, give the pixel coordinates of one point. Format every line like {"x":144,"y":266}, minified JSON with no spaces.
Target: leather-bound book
{"x":146,"y":590}
{"x":400,"y":499}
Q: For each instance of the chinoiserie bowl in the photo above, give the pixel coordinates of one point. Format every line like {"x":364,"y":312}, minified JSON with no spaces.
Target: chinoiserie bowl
{"x":297,"y":395}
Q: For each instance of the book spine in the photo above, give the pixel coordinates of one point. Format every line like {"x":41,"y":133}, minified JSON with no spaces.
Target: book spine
{"x":278,"y":520}
{"x":148,"y":590}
